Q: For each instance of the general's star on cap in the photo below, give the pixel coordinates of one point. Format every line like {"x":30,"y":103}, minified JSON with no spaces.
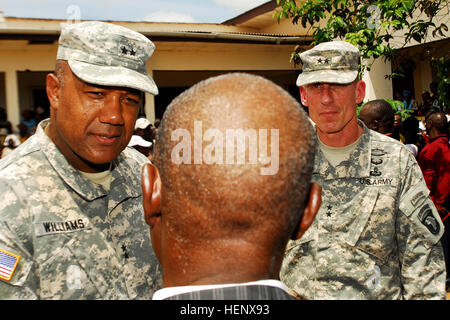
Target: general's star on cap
{"x":107,"y":54}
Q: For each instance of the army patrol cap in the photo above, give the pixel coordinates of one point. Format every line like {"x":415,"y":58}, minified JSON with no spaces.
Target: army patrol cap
{"x":106,"y":54}
{"x":332,"y":62}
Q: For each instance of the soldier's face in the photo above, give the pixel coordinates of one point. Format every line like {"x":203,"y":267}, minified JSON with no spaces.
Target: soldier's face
{"x":90,"y":124}
{"x":397,"y":120}
{"x":332,"y":106}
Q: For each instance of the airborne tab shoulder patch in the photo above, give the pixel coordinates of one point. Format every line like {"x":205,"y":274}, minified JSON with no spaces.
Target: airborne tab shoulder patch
{"x":8,"y":264}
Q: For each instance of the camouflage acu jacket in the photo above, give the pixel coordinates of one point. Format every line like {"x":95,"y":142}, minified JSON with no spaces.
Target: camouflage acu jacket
{"x":377,"y":233}
{"x":74,"y":239}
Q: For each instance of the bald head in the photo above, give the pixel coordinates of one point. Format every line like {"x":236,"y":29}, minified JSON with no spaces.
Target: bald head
{"x":378,"y":115}
{"x":235,"y":156}
{"x":436,"y":124}
{"x":221,"y":185}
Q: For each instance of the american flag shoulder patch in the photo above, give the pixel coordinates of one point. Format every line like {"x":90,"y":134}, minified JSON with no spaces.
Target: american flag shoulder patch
{"x":8,"y":264}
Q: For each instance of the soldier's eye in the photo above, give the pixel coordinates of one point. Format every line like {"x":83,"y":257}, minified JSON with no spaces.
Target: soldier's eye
{"x":95,"y":94}
{"x":130,"y":100}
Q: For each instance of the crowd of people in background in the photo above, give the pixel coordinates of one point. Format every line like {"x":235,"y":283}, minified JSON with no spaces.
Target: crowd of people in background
{"x":428,"y":141}
{"x":144,"y":136}
{"x":10,"y":138}
{"x":430,"y":101}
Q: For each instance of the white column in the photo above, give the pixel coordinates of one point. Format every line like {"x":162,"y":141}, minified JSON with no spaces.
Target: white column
{"x":150,"y":107}
{"x":150,"y":103}
{"x":12,"y":98}
{"x":377,"y":86}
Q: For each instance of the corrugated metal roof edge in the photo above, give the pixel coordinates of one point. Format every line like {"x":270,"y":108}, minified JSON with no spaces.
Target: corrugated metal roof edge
{"x":26,"y":33}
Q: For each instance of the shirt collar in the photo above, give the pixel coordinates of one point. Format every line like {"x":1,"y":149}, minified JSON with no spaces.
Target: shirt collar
{"x":173,"y":291}
{"x":348,"y":168}
{"x":443,"y":135}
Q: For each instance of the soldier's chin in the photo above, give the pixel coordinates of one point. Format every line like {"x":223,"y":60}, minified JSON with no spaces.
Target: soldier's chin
{"x":327,"y":130}
{"x":103,"y":166}
{"x":100,"y":163}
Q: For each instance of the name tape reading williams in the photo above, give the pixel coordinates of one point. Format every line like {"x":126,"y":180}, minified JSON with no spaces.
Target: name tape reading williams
{"x":54,"y":227}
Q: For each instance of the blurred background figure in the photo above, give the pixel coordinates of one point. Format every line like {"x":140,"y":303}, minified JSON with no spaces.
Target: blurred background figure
{"x":434,"y":161}
{"x":29,"y":121}
{"x":11,"y":142}
{"x":396,"y":129}
{"x":144,"y":129}
{"x":410,"y":130}
{"x":157,"y":122}
{"x":141,"y":145}
{"x":427,"y":103}
{"x":378,"y":115}
{"x":408,"y":101}
{"x":24,"y":133}
{"x":4,"y":123}
{"x":40,"y":114}
{"x":434,"y":95}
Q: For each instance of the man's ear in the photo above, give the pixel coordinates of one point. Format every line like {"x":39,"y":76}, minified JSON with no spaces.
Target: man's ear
{"x":375,"y":124}
{"x":360,"y":91}
{"x":53,"y":88}
{"x":151,"y":194}
{"x":303,"y":96}
{"x":311,"y":209}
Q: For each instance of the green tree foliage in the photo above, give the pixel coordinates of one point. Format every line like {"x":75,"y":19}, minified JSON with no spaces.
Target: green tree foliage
{"x":369,"y":25}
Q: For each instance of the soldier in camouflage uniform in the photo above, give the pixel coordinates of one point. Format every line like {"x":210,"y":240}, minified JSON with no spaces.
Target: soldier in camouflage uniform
{"x":71,"y":216}
{"x":377,"y":233}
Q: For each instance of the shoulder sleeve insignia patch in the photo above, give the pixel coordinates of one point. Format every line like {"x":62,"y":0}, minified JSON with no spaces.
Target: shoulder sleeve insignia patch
{"x":428,"y":220}
{"x":8,"y":264}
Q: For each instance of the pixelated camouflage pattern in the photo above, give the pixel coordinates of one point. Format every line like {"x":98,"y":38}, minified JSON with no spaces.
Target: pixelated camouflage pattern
{"x":102,"y":249}
{"x":106,"y":54}
{"x":332,"y":62}
{"x":377,"y":233}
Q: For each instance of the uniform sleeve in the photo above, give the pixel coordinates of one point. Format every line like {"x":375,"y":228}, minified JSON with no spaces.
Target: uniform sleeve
{"x":419,"y":230}
{"x":14,"y":241}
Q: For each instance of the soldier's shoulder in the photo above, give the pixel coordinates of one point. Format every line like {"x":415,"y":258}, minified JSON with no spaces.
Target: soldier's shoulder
{"x":134,"y":157}
{"x":387,"y":143}
{"x":21,"y":169}
{"x":384,"y":139}
{"x":21,"y":155}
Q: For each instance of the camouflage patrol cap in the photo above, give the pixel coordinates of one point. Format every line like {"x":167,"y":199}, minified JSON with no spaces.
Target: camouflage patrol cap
{"x":332,"y":62}
{"x":106,"y":54}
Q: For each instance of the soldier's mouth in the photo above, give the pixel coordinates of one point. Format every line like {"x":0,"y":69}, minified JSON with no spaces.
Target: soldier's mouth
{"x":106,"y":140}
{"x":328,"y":114}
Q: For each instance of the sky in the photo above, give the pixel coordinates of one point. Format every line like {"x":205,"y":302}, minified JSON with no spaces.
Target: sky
{"x":194,"y":11}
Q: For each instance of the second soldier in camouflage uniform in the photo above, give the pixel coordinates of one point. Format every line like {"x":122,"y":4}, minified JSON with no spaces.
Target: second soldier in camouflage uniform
{"x":377,"y":233}
{"x":71,"y":216}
